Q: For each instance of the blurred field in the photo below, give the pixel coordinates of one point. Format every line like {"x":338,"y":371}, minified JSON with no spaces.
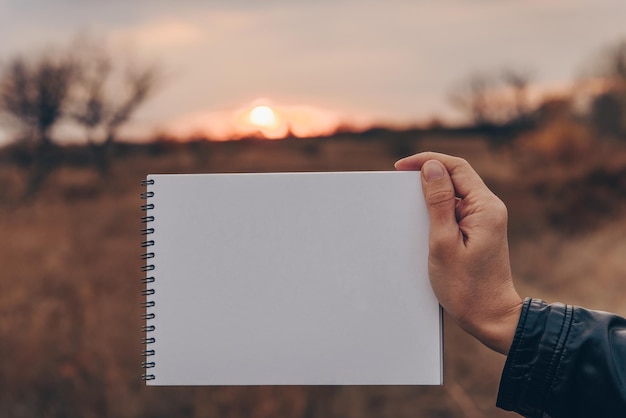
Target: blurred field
{"x":70,"y":269}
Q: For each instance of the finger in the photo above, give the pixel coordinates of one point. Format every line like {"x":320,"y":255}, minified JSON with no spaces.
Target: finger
{"x":415,"y":162}
{"x":463,"y":176}
{"x":441,"y":203}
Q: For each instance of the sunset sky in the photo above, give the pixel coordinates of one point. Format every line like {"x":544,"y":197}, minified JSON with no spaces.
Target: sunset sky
{"x":320,"y":62}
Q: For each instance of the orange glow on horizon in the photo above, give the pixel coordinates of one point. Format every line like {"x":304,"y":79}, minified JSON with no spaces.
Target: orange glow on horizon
{"x":262,"y":118}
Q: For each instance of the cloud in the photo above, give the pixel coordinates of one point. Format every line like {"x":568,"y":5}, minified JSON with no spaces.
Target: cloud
{"x":396,"y":59}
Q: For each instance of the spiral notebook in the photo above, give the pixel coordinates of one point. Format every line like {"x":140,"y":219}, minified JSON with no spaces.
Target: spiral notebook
{"x":289,"y":279}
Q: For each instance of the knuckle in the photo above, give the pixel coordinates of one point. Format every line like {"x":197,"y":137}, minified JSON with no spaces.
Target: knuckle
{"x":440,"y":197}
{"x":461,"y":162}
{"x":499,"y":212}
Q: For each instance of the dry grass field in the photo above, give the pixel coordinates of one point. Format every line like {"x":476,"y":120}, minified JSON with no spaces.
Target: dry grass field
{"x":70,"y":276}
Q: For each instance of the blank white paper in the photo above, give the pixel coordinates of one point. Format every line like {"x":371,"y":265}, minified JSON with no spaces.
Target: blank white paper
{"x":292,"y":278}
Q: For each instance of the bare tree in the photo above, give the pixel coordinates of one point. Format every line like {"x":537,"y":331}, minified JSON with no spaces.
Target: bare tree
{"x":518,"y":82}
{"x":83,"y":86}
{"x":608,"y":109}
{"x":491,"y":100}
{"x":35,"y":94}
{"x":471,"y":98}
{"x":607,"y":113}
{"x":105,"y":99}
{"x":478,"y":98}
{"x":616,"y":65}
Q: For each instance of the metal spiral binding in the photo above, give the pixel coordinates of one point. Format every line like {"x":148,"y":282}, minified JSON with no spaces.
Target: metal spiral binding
{"x":147,"y":292}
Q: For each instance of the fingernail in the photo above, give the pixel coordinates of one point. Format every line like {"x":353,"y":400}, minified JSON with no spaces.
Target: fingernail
{"x":433,"y":170}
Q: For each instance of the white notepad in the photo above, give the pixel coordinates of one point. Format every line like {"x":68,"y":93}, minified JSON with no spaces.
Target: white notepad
{"x":290,"y":278}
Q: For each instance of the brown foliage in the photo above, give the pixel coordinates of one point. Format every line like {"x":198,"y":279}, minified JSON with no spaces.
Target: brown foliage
{"x":70,"y":290}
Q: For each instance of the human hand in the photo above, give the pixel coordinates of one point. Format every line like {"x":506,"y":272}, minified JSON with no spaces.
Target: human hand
{"x":468,"y":259}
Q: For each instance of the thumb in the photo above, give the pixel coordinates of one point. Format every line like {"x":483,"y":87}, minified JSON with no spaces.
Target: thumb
{"x":440,"y":200}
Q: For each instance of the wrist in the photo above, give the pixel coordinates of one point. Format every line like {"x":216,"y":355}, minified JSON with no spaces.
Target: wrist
{"x":498,"y":333}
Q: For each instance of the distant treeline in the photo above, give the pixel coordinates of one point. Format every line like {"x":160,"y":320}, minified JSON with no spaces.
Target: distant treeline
{"x":85,"y":87}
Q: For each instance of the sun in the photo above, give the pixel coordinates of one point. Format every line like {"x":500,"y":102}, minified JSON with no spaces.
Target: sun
{"x":262,"y":116}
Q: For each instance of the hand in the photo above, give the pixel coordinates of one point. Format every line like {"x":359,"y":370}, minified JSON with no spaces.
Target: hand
{"x":468,"y":259}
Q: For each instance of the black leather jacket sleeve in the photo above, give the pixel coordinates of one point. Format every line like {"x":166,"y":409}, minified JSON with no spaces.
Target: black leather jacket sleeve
{"x":565,"y":361}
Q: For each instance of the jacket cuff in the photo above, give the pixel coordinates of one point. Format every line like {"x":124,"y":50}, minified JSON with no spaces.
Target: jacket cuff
{"x":534,"y":357}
